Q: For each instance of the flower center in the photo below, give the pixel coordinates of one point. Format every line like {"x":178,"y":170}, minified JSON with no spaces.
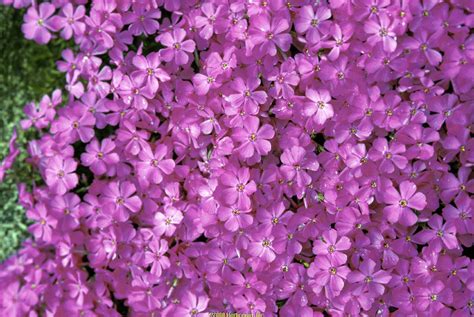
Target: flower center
{"x":403,"y":203}
{"x":266,"y":243}
{"x":240,"y":187}
{"x":333,"y":271}
{"x":252,"y":137}
{"x":40,"y":22}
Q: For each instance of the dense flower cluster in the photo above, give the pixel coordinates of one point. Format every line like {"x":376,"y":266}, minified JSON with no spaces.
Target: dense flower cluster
{"x":284,"y":157}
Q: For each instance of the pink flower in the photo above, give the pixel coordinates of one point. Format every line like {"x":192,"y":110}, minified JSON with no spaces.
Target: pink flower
{"x":296,"y":161}
{"x":312,"y":23}
{"x":328,"y":273}
{"x":261,"y":245}
{"x":100,"y":157}
{"x":153,"y":165}
{"x":252,"y":139}
{"x":77,"y":123}
{"x":268,"y":34}
{"x":39,"y":23}
{"x":439,"y":235}
{"x":149,"y":70}
{"x":155,"y":256}
{"x":212,"y":21}
{"x":368,"y":280}
{"x":70,"y":21}
{"x":166,"y":222}
{"x":176,"y":46}
{"x":331,"y":246}
{"x":238,"y":186}
{"x":247,"y":97}
{"x":143,"y":21}
{"x":192,"y":305}
{"x":381,"y":31}
{"x":59,"y":174}
{"x":119,"y":198}
{"x":389,"y":155}
{"x":43,"y":229}
{"x":318,"y":107}
{"x":401,"y":204}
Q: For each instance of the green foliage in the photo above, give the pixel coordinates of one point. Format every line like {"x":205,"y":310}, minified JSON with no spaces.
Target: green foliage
{"x":27,"y":72}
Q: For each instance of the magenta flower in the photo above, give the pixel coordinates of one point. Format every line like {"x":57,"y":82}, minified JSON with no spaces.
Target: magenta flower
{"x":261,"y":245}
{"x":155,"y":256}
{"x":328,"y":273}
{"x":119,"y":198}
{"x":39,"y":22}
{"x":77,"y":123}
{"x":100,"y":157}
{"x":252,"y":139}
{"x":381,"y":31}
{"x":76,"y":286}
{"x":330,"y":246}
{"x":238,"y":186}
{"x":247,"y":97}
{"x":165,"y":223}
{"x":71,"y":21}
{"x":59,"y":174}
{"x":367,"y":280}
{"x":149,"y":70}
{"x":177,"y":47}
{"x":192,"y":305}
{"x":235,"y":216}
{"x":312,"y":23}
{"x":268,"y":34}
{"x":401,"y":204}
{"x":439,"y":235}
{"x":43,"y":228}
{"x":318,"y":107}
{"x":143,"y":21}
{"x":295,"y":164}
{"x":153,"y":165}
{"x":389,"y":155}
{"x":212,"y":21}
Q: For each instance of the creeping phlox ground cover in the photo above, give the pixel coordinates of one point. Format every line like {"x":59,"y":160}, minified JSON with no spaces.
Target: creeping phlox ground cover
{"x":291,"y":158}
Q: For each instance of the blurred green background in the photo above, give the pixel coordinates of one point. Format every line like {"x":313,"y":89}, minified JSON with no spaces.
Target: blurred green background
{"x":27,"y":72}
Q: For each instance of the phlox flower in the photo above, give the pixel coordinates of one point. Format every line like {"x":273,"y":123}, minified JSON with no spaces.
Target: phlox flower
{"x":400,"y":205}
{"x":39,"y":22}
{"x":59,"y":174}
{"x":43,"y":228}
{"x":177,"y":47}
{"x":100,"y":157}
